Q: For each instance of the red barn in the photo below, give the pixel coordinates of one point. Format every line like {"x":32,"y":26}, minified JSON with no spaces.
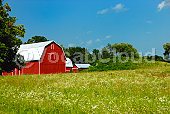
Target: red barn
{"x":69,"y":65}
{"x":81,"y":67}
{"x":75,"y":68}
{"x":41,"y":58}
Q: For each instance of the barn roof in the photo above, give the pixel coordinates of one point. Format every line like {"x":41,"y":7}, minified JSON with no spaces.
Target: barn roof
{"x":33,"y":52}
{"x":69,"y":63}
{"x":83,"y":65}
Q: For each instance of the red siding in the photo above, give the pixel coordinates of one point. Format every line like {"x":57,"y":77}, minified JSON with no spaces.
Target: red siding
{"x":31,"y":68}
{"x":7,"y":74}
{"x":13,"y":73}
{"x":75,"y":69}
{"x":53,"y":60}
{"x":68,"y":69}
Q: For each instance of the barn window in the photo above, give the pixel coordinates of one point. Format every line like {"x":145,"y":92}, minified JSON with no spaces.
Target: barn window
{"x":52,"y":46}
{"x":53,"y":57}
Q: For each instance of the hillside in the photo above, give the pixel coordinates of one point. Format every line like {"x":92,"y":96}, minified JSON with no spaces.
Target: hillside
{"x":144,"y":90}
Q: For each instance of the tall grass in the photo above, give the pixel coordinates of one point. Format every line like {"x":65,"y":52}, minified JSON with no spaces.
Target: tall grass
{"x":128,"y":91}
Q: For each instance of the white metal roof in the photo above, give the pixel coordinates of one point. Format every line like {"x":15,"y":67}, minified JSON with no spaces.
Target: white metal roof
{"x":83,"y":65}
{"x":32,"y":52}
{"x":69,"y":63}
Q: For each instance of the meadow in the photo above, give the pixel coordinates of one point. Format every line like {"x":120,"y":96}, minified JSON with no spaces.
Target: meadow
{"x":143,"y":90}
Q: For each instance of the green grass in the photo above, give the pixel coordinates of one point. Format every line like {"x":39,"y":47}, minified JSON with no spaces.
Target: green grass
{"x":144,"y":90}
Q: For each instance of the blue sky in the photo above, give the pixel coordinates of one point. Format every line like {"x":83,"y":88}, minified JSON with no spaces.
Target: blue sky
{"x":95,"y":23}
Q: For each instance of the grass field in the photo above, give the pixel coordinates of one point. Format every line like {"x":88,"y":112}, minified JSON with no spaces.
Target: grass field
{"x":144,"y":90}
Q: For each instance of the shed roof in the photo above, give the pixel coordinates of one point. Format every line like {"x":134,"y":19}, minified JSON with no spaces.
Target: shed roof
{"x":69,"y":63}
{"x":83,"y":65}
{"x":33,"y":52}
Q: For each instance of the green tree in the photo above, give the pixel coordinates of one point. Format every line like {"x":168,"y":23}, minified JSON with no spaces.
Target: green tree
{"x":76,"y":54}
{"x":167,"y":51}
{"x":125,"y":48}
{"x":36,"y":39}
{"x":10,"y":35}
{"x":96,"y":52}
{"x":105,"y":53}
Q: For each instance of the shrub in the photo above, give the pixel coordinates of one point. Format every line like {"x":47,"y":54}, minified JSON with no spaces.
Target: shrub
{"x":113,"y":66}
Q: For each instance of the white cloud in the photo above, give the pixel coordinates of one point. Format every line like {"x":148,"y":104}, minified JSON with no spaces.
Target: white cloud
{"x":103,"y":11}
{"x":108,"y":36}
{"x":89,"y":42}
{"x":163,"y":4}
{"x":117,"y":8}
